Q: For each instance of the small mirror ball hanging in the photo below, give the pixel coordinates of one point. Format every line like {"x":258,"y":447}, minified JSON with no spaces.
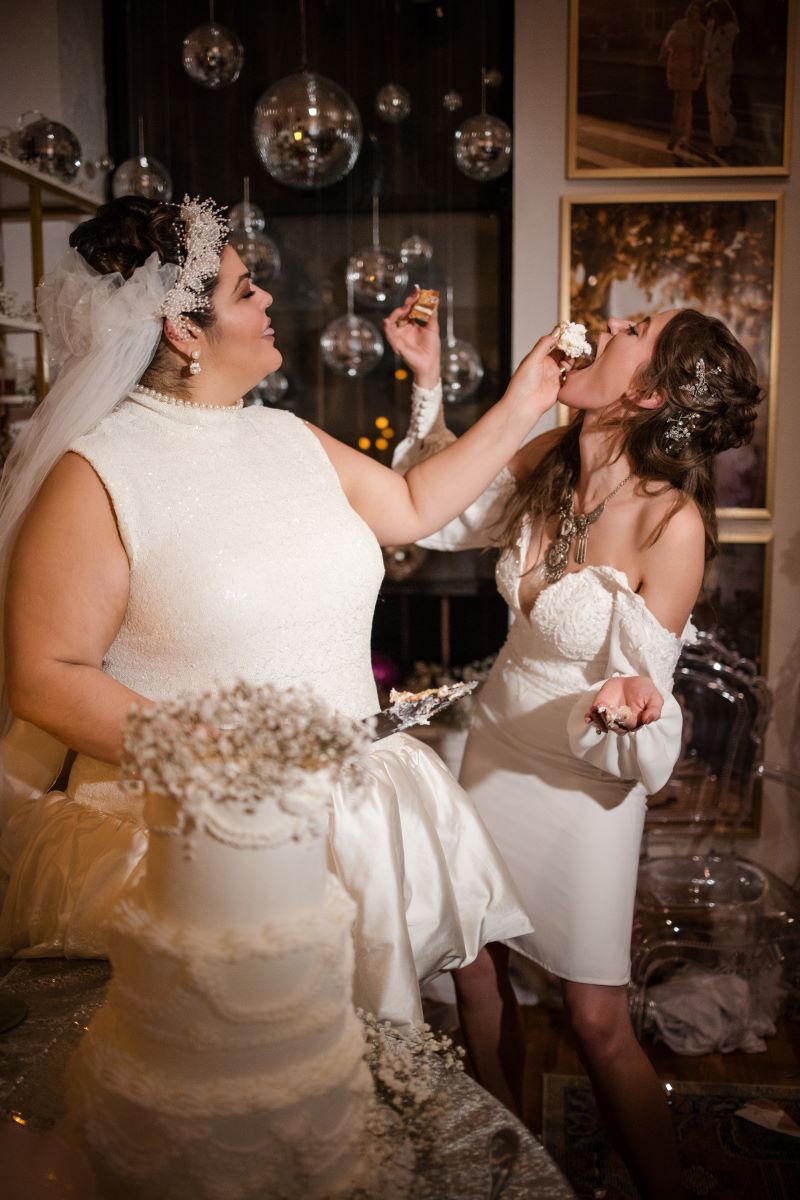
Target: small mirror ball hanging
{"x":213,"y":55}
{"x":462,"y":370}
{"x":482,"y":147}
{"x":351,"y":346}
{"x":393,"y":103}
{"x":307,"y":131}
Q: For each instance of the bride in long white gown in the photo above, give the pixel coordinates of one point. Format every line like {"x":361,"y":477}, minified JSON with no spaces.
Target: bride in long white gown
{"x":603,"y":528}
{"x":166,"y":539}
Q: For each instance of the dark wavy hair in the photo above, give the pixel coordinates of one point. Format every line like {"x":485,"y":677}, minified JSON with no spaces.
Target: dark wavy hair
{"x":121,"y":237}
{"x":720,"y":420}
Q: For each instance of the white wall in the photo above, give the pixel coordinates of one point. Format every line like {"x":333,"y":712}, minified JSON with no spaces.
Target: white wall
{"x":51,"y":59}
{"x":539,"y":181}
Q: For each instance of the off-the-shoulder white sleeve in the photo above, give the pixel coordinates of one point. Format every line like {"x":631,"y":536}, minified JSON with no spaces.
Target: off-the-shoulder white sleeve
{"x":639,"y":645}
{"x":427,"y":434}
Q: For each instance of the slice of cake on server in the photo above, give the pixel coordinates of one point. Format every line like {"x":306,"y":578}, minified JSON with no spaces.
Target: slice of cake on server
{"x":227,"y":1061}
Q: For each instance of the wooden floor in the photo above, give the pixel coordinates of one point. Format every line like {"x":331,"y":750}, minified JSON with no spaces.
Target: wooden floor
{"x":550,"y":1050}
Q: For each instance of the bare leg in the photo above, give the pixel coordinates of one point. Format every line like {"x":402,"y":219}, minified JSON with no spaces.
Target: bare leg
{"x":628,"y":1091}
{"x":492,"y":1025}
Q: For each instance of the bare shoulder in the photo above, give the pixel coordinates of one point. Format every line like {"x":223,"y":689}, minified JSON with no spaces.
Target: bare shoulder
{"x":72,"y":502}
{"x":669,"y":522}
{"x":529,"y":456}
{"x":673,"y":561}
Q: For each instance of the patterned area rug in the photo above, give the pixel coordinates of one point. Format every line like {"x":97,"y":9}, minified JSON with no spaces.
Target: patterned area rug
{"x":724,"y":1157}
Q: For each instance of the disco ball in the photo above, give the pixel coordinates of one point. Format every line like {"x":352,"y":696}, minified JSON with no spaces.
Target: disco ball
{"x":377,"y":274}
{"x":271,"y":390}
{"x":142,"y":176}
{"x":452,"y":101}
{"x":483,"y":147}
{"x":351,"y":346}
{"x":393,"y":103}
{"x":213,"y":56}
{"x":462,"y":370}
{"x":258,"y":253}
{"x":50,"y":146}
{"x":307,"y":131}
{"x":246,"y":218}
{"x":415,"y":250}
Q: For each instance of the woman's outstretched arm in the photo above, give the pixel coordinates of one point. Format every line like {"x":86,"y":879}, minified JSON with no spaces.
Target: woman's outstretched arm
{"x":401,"y":509}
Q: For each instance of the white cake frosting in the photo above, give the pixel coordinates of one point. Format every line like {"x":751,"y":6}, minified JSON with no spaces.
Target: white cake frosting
{"x":227,"y":1062}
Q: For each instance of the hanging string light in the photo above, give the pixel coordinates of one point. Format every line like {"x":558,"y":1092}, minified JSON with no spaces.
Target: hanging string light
{"x":462,"y":368}
{"x":142,"y":176}
{"x":482,"y":144}
{"x":212,"y":54}
{"x":377,"y":273}
{"x":257,"y":251}
{"x":306,"y":129}
{"x":351,"y":345}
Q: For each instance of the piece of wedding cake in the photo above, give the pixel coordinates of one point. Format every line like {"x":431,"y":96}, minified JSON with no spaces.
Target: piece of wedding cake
{"x":572,"y":340}
{"x":227,"y":1061}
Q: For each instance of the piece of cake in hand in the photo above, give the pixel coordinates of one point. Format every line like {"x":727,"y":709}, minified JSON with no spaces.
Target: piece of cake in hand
{"x":572,"y":340}
{"x":422,"y":309}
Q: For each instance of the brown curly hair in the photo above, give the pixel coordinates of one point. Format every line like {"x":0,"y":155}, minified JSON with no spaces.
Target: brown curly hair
{"x":121,"y":237}
{"x":720,"y":420}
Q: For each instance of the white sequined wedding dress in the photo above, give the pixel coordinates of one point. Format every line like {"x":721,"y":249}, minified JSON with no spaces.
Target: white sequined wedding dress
{"x":248,"y":561}
{"x":564,"y":805}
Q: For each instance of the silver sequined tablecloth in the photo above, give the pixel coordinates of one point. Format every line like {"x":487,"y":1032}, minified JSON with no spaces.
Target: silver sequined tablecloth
{"x":62,"y":996}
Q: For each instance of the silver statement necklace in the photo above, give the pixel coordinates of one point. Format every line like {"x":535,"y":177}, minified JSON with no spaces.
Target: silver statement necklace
{"x":142,"y":390}
{"x":574,"y":525}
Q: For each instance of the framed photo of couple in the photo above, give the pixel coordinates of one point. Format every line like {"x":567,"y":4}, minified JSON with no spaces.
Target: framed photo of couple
{"x":680,"y":87}
{"x":627,"y":256}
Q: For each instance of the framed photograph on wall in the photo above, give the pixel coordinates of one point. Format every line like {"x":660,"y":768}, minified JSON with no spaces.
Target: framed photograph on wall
{"x":734,"y":600}
{"x":680,"y":87}
{"x":626,"y":256}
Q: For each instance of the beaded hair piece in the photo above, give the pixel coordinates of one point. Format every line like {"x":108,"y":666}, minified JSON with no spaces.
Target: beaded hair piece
{"x":680,"y":428}
{"x":203,"y":233}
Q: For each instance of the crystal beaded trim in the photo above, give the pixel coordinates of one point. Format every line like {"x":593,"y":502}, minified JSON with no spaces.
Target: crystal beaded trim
{"x":141,"y":390}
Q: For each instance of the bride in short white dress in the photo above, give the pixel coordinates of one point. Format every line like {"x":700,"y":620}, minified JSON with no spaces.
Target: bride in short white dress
{"x":577,"y":723}
{"x":565,"y":806}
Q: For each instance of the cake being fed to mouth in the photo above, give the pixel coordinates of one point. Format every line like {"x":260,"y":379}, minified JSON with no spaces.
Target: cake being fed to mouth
{"x":422,"y":309}
{"x":572,"y":339}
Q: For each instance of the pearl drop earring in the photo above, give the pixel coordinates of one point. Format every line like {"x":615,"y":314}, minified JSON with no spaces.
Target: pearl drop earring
{"x":194,"y":365}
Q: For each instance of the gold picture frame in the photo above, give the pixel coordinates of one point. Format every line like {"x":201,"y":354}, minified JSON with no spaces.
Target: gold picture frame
{"x":613,"y":247}
{"x":627,"y":118}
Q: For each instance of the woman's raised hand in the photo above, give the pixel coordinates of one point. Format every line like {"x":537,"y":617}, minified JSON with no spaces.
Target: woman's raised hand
{"x":418,"y":345}
{"x":637,"y":693}
{"x":539,"y":375}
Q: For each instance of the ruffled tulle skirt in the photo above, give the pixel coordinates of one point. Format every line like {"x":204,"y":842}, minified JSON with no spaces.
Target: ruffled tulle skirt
{"x":408,"y":845}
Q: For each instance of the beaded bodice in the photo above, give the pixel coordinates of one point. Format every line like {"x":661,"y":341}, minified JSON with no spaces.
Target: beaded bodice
{"x":246,"y":557}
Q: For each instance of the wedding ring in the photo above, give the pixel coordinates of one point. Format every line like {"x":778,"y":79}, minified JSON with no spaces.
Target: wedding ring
{"x":563,"y":374}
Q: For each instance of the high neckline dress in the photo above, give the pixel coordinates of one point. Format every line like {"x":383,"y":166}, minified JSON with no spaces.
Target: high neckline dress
{"x":247,"y":561}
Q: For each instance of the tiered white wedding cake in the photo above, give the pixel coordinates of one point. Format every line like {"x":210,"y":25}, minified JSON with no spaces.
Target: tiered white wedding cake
{"x":227,"y":1061}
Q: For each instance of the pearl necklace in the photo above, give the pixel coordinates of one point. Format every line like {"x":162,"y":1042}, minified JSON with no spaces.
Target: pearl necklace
{"x":141,"y":390}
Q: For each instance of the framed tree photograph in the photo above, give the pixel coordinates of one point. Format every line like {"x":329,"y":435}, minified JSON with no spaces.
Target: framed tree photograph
{"x":625,"y":256}
{"x":680,"y":87}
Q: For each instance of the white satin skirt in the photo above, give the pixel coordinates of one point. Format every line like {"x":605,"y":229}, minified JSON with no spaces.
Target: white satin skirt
{"x":408,"y":845}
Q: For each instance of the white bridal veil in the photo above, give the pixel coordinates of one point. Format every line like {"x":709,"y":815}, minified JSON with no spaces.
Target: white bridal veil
{"x":103,"y":330}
